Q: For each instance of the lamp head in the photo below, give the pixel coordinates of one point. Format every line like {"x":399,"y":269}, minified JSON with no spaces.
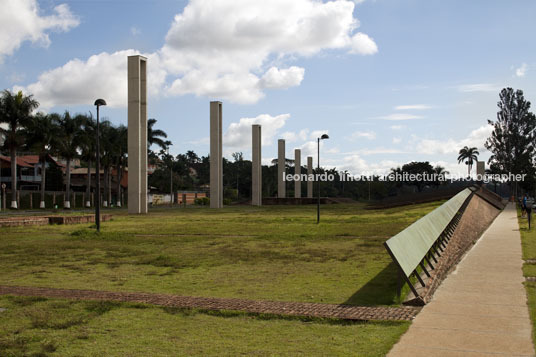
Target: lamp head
{"x":100,"y":102}
{"x":324,"y":136}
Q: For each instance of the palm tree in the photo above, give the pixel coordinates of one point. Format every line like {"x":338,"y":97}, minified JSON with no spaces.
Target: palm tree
{"x":470,"y":155}
{"x":15,"y":111}
{"x":119,"y":152}
{"x":41,"y":133}
{"x":87,"y":146}
{"x":70,"y":129}
{"x":154,"y":136}
{"x":107,"y":139}
{"x":440,"y":173}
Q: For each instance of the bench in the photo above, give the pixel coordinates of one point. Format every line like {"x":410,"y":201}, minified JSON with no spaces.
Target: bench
{"x":418,"y":244}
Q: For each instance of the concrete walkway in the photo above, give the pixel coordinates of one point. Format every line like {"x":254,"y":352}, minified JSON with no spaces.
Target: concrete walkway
{"x":481,"y":308}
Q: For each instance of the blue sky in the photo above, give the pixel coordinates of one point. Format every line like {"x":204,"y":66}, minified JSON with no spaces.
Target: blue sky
{"x":391,"y":81}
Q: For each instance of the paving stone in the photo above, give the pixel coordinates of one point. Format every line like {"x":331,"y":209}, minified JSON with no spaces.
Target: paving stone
{"x":345,"y":312}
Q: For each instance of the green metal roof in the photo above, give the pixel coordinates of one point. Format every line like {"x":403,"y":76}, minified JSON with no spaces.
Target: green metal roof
{"x":411,"y":245}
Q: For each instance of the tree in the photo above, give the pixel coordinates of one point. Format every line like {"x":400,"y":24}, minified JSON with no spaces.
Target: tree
{"x":70,"y":136}
{"x":155,"y":136}
{"x":420,"y":170}
{"x":88,"y":148}
{"x":119,"y":153}
{"x":41,"y":133}
{"x":513,"y":138}
{"x":15,"y":111}
{"x":470,"y":155}
{"x":108,"y":135}
{"x":440,"y":173}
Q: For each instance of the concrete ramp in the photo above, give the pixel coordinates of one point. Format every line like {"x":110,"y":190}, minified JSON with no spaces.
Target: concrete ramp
{"x":481,"y":308}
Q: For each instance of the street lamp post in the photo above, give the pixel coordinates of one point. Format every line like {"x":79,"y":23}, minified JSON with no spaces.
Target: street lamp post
{"x":98,"y":103}
{"x":323,"y":137}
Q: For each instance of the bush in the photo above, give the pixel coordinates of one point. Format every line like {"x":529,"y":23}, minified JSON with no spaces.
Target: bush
{"x":203,"y":201}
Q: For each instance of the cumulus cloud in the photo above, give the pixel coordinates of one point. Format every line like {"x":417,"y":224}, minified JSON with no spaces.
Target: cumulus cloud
{"x":476,"y":138}
{"x":238,"y":135}
{"x":102,"y":75}
{"x":276,"y":78}
{"x":231,"y":50}
{"x":521,"y":71}
{"x":356,"y":165}
{"x":362,"y":44}
{"x":20,"y":21}
{"x":291,"y":136}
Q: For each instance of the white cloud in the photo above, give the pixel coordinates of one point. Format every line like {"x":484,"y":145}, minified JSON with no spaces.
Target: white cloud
{"x":317,"y":133}
{"x":238,"y":135}
{"x":476,"y":138}
{"x":356,"y":165}
{"x":413,"y":107}
{"x":362,"y":44}
{"x":237,"y":87}
{"x":224,"y":50}
{"x":478,"y":87}
{"x":397,"y":127}
{"x":397,"y":140}
{"x":20,"y":21}
{"x":369,"y":135}
{"x":135,"y":31}
{"x":400,"y":116}
{"x":291,"y":136}
{"x":101,"y":76}
{"x":276,"y":78}
{"x":521,"y":71}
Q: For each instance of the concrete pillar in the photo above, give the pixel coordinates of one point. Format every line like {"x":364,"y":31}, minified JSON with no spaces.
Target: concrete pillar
{"x":297,"y":171}
{"x":216,"y":159}
{"x":137,"y":135}
{"x":281,"y":189}
{"x":256,"y":166}
{"x":480,"y":168}
{"x":309,"y":174}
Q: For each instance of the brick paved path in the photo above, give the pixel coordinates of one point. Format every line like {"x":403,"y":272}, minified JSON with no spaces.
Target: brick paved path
{"x":346,"y":312}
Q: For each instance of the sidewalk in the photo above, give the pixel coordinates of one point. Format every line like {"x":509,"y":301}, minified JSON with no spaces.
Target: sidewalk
{"x":480,"y":309}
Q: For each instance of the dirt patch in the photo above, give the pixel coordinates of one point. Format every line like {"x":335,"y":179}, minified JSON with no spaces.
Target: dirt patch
{"x":477,"y":217}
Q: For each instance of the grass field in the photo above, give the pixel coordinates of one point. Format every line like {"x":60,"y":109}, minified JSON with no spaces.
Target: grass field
{"x":528,"y":242}
{"x":270,"y":253}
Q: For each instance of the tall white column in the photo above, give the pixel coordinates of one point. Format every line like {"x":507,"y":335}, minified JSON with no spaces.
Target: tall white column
{"x":281,"y":189}
{"x":137,"y":134}
{"x":216,"y":159}
{"x":309,"y":174}
{"x":256,"y":166}
{"x":297,"y":171}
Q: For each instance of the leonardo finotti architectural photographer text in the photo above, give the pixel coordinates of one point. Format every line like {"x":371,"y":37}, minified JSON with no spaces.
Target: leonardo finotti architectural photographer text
{"x":406,"y":177}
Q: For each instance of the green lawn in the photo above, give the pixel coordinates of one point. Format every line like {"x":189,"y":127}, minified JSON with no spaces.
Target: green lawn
{"x":528,"y":243}
{"x":272,"y":253}
{"x":40,"y":327}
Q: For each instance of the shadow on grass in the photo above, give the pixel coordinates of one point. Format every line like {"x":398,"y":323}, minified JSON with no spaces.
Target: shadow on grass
{"x":380,"y":290}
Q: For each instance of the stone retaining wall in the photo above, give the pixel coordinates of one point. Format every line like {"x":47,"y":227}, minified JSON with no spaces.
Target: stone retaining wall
{"x":44,"y":220}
